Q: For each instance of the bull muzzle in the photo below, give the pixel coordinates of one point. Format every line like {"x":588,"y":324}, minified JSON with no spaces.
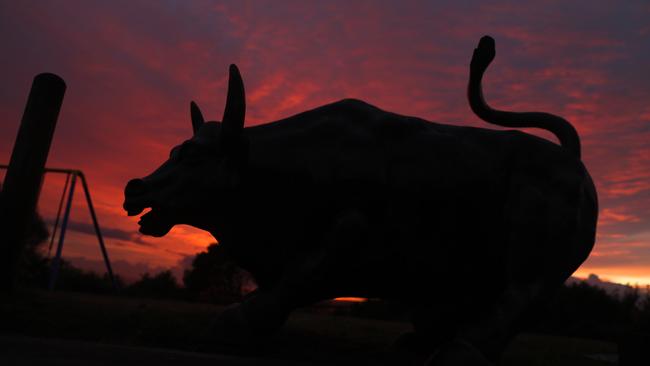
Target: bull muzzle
{"x":135,"y":200}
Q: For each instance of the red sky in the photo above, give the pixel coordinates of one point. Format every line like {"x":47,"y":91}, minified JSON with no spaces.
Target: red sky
{"x":132,"y":67}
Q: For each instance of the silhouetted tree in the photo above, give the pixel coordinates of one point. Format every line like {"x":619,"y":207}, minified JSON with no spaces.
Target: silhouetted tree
{"x":213,"y":277}
{"x":75,"y":279}
{"x":641,"y":318}
{"x":33,"y":268}
{"x":161,"y":285}
{"x":583,"y":310}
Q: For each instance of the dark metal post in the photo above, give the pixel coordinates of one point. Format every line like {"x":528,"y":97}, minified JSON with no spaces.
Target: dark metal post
{"x":58,"y":215}
{"x":56,"y":263}
{"x":23,"y":180}
{"x":99,"y":233}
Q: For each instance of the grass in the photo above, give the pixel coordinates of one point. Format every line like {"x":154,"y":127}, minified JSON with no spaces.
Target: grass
{"x":308,"y":336}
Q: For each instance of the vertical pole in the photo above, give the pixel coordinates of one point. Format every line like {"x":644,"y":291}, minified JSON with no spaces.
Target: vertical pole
{"x":97,"y":231}
{"x":58,"y":214}
{"x":56,"y":263}
{"x":22,"y":182}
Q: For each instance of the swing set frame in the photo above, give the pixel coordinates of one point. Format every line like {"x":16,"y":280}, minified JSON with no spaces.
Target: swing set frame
{"x":70,"y":181}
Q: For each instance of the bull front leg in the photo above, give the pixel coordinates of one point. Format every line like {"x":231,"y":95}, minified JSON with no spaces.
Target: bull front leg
{"x":309,"y":279}
{"x":250,"y":322}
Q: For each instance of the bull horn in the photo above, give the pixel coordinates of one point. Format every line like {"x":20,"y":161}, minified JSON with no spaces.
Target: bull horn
{"x":197,"y":117}
{"x":234,"y":114}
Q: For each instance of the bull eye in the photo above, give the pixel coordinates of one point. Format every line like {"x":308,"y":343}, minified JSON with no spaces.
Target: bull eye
{"x":173,"y":152}
{"x":189,"y":152}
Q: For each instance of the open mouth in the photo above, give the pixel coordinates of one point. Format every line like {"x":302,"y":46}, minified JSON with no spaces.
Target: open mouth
{"x":156,"y":222}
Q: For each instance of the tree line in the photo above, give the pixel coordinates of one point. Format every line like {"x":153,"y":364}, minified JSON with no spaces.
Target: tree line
{"x":577,"y":309}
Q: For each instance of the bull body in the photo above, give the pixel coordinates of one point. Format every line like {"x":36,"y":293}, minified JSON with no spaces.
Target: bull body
{"x":351,"y":200}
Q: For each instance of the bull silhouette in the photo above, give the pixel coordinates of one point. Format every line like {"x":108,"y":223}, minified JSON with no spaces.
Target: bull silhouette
{"x":472,"y":228}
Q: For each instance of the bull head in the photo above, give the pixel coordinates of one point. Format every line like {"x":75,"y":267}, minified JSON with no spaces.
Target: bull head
{"x":208,"y":162}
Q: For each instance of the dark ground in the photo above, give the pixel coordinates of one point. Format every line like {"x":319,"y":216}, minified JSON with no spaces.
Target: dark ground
{"x":42,"y":328}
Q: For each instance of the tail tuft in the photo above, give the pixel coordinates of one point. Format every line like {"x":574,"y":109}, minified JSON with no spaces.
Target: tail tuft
{"x":483,"y":55}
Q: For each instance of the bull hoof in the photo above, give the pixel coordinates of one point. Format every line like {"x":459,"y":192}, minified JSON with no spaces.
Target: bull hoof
{"x":458,"y":353}
{"x":231,"y":332}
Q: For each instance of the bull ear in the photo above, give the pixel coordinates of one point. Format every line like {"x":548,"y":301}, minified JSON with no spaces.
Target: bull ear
{"x":197,"y":117}
{"x":234,"y":114}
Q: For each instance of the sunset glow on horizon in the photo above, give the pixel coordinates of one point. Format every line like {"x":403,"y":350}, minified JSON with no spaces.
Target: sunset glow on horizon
{"x":132,"y":67}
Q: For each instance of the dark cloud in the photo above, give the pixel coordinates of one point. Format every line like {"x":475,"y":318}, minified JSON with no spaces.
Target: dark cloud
{"x":107,"y":232}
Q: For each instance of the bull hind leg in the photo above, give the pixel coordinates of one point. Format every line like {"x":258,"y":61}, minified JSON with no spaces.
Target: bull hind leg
{"x":483,"y":342}
{"x":433,"y":326}
{"x":305,"y":281}
{"x":535,"y":270}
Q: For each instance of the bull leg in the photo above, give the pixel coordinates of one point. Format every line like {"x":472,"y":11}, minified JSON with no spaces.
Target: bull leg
{"x":482,"y":342}
{"x":433,"y":325}
{"x":532,"y":275}
{"x":304,"y":282}
{"x":250,"y":322}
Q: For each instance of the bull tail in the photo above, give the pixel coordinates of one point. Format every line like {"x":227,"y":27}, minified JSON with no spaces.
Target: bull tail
{"x":483,"y":55}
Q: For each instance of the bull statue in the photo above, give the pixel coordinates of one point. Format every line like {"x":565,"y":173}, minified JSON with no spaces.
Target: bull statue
{"x":471,"y":228}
